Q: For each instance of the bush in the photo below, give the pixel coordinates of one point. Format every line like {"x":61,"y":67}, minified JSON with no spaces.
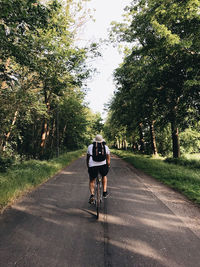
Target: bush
{"x":5,"y":162}
{"x":190,"y":141}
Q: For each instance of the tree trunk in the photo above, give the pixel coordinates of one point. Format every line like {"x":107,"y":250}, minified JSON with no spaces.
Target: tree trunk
{"x":134,"y":144}
{"x":45,"y":128}
{"x":119,"y":143}
{"x":45,"y":134}
{"x":8,"y":134}
{"x":124,"y":144}
{"x":4,"y":84}
{"x":116,"y":143}
{"x":141,"y":138}
{"x":53,"y":133}
{"x":62,"y":135}
{"x":175,"y":139}
{"x":153,"y":138}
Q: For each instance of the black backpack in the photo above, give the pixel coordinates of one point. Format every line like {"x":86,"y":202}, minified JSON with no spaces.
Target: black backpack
{"x":99,"y":151}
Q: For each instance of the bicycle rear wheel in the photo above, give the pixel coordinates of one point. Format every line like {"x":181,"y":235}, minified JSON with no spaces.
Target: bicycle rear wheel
{"x":98,"y":201}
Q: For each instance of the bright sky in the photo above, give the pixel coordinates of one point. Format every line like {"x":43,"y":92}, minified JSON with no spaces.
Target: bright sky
{"x":101,"y":86}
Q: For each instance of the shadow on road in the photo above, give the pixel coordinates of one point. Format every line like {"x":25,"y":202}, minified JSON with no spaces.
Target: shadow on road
{"x":55,"y":225}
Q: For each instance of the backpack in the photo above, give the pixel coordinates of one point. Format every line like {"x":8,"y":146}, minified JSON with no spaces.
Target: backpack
{"x":99,"y":151}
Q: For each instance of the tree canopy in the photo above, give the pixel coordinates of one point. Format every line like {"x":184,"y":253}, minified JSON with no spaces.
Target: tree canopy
{"x":42,"y":73}
{"x":158,"y":82}
{"x":156,"y":103}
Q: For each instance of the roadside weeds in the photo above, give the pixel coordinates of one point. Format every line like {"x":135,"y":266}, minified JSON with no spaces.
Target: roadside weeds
{"x":23,"y":178}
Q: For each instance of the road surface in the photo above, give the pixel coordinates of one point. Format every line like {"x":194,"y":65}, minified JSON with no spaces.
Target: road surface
{"x":143,"y":223}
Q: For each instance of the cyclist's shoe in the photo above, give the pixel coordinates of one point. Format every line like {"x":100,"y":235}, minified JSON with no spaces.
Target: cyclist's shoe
{"x":91,"y":199}
{"x":105,"y":194}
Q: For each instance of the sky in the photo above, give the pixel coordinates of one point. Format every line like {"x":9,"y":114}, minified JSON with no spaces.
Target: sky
{"x":101,"y":86}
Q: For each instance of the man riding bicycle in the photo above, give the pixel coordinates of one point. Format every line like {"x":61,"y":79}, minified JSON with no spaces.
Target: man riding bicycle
{"x":98,"y":160}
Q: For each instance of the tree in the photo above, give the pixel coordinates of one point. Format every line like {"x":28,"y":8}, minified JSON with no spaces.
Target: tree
{"x":166,"y":33}
{"x":41,"y":76}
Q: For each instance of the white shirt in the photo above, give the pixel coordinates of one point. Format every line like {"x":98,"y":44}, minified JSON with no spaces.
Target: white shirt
{"x":93,"y":163}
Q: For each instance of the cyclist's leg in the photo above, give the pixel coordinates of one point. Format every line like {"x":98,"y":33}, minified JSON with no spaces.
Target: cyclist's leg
{"x":104,"y":170}
{"x":104,"y":181}
{"x":93,"y":171}
{"x":92,"y":176}
{"x":91,"y":186}
{"x":92,"y":190}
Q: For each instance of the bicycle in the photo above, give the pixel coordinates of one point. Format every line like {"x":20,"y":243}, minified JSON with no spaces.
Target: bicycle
{"x":98,"y":194}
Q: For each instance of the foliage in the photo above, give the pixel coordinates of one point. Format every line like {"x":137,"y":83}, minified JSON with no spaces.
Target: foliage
{"x":158,"y":81}
{"x":42,"y":71}
{"x":95,"y":125}
{"x":190,"y":140}
{"x":5,"y":162}
{"x":163,"y":140}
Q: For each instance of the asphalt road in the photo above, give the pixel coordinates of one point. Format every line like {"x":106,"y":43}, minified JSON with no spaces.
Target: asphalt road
{"x":142,"y":223}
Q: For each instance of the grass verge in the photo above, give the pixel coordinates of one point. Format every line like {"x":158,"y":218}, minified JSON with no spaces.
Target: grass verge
{"x":182,"y":178}
{"x":191,"y":163}
{"x":26,"y":176}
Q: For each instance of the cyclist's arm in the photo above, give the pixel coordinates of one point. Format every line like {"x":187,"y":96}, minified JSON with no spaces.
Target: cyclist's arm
{"x":108,"y":159}
{"x":87,"y":160}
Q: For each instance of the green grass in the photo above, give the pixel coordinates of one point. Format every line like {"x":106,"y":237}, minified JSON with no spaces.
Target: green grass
{"x":26,"y":176}
{"x":183,"y":161}
{"x":194,"y":156}
{"x":182,"y":178}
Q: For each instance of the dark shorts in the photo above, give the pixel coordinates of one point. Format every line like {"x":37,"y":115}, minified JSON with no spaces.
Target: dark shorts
{"x":93,"y":171}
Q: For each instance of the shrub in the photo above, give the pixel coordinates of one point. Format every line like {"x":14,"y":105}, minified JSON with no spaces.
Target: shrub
{"x":5,"y":162}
